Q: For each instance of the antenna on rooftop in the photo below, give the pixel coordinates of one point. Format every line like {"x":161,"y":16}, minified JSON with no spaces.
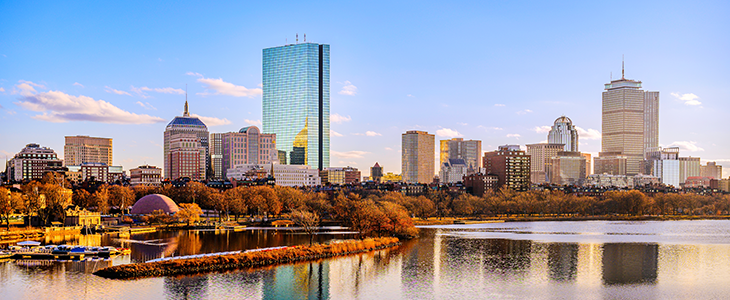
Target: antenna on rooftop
{"x":297,"y":38}
{"x":305,"y":37}
{"x":622,"y":66}
{"x":611,"y":76}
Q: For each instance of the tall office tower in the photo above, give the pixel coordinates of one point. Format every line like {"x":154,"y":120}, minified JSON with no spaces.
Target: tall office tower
{"x":215,"y":150}
{"x":563,"y":132}
{"x":417,"y":157}
{"x":470,"y":151}
{"x":85,"y":149}
{"x":630,"y":122}
{"x":688,"y":167}
{"x":540,"y":155}
{"x":511,"y":165}
{"x":711,"y":170}
{"x":31,"y":163}
{"x":376,"y":172}
{"x":247,"y":146}
{"x":182,"y":128}
{"x":296,"y":102}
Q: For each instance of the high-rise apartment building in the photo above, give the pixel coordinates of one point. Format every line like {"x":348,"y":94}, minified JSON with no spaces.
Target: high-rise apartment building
{"x":215,"y":145}
{"x":630,"y":122}
{"x":417,"y":157}
{"x":296,"y":102}
{"x":540,"y":155}
{"x":511,"y":165}
{"x":85,"y":149}
{"x":247,"y":146}
{"x":711,"y":170}
{"x":457,"y":148}
{"x":688,"y":167}
{"x":31,"y":163}
{"x":184,"y":138}
{"x":563,"y":132}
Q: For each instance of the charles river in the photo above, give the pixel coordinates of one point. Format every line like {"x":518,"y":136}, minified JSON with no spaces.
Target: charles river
{"x":518,"y":260}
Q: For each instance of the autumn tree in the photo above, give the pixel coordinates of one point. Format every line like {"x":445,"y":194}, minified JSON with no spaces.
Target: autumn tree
{"x":421,"y":207}
{"x":100,"y":199}
{"x":121,"y":197}
{"x":81,"y":198}
{"x":309,"y":221}
{"x":57,"y":198}
{"x":10,"y":202}
{"x":291,"y":199}
{"x":32,"y":198}
{"x":189,"y":212}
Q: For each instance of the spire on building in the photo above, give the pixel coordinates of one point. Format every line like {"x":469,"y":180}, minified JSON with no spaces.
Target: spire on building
{"x":186,"y":114}
{"x":622,"y":67}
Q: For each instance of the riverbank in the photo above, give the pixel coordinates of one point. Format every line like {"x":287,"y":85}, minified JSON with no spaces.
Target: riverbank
{"x":451,"y":220}
{"x":246,"y":259}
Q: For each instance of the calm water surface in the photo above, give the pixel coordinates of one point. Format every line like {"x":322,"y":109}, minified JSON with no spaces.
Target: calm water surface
{"x":535,"y":260}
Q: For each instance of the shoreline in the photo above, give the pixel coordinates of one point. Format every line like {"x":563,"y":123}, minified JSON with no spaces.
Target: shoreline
{"x":230,"y":262}
{"x":467,"y":221}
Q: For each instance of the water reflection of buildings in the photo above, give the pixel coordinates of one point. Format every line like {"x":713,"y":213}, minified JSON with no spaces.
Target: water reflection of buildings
{"x":630,"y":263}
{"x":294,"y":281}
{"x":562,"y":261}
{"x":186,"y":287}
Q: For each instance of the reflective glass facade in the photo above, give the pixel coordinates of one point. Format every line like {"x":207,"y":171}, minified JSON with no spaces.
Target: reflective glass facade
{"x":296,"y":102}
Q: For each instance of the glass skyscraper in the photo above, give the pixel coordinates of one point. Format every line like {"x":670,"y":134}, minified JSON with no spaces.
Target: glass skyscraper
{"x":296,"y":102}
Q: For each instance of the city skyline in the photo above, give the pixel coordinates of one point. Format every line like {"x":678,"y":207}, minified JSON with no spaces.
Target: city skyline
{"x":479,"y":92}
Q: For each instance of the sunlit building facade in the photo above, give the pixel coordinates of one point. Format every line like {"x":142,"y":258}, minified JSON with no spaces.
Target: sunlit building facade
{"x":86,"y":149}
{"x":184,"y":136}
{"x":539,"y":160}
{"x":296,"y":102}
{"x":457,"y":148}
{"x":247,"y":146}
{"x":32,"y":162}
{"x":563,"y":132}
{"x":511,"y":165}
{"x":630,"y":122}
{"x":417,"y":157}
{"x":567,"y":168}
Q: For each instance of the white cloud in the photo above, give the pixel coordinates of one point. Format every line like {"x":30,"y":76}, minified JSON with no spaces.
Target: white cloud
{"x":409,"y":95}
{"x":372,"y":133}
{"x":349,"y":154}
{"x":490,"y":128}
{"x":335,"y":133}
{"x":499,"y":105}
{"x":60,"y":107}
{"x":253,"y":122}
{"x":168,"y":90}
{"x":542,"y":129}
{"x":388,"y":148}
{"x":2,"y":89}
{"x":212,"y":121}
{"x":513,"y":135}
{"x":26,"y":88}
{"x":689,"y":99}
{"x":462,"y":124}
{"x":524,"y":112}
{"x":686,"y":146}
{"x":588,"y":134}
{"x":115,"y":91}
{"x":336,"y":118}
{"x":146,"y":105}
{"x":349,"y":89}
{"x":448,"y":133}
{"x":78,"y":84}
{"x":219,"y":87}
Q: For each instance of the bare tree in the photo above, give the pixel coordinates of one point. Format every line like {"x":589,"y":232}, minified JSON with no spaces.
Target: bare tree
{"x":309,"y":221}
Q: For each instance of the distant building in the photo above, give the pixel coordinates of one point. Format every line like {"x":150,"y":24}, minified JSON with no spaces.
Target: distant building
{"x":247,"y":146}
{"x":711,"y":170}
{"x":31,"y":163}
{"x":698,"y":182}
{"x":145,"y":175}
{"x":376,"y":172}
{"x":664,"y":163}
{"x":215,"y":150}
{"x":85,"y":149}
{"x":96,"y":171}
{"x":453,"y":171}
{"x":417,"y":158}
{"x":186,"y":149}
{"x":539,"y":159}
{"x":511,"y":165}
{"x":630,"y":122}
{"x":611,"y":163}
{"x":339,"y":175}
{"x":284,"y":175}
{"x":296,"y":102}
{"x":589,"y":163}
{"x":390,"y":177}
{"x":457,"y":148}
{"x":563,"y":132}
{"x":567,"y":168}
{"x":724,"y":185}
{"x":688,"y":167}
{"x":478,"y":184}
{"x":620,"y":181}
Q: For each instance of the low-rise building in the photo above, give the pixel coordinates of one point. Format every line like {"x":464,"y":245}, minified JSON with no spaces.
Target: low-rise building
{"x":620,"y":181}
{"x":697,"y":181}
{"x":479,"y":183}
{"x":340,"y":175}
{"x":96,"y":171}
{"x":284,"y":175}
{"x":391,"y":177}
{"x":31,"y":163}
{"x":145,"y":175}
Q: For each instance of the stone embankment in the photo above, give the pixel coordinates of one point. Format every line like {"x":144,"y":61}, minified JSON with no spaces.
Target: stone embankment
{"x":246,"y":259}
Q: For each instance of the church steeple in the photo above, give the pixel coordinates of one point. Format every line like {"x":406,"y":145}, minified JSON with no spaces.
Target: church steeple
{"x":186,"y":114}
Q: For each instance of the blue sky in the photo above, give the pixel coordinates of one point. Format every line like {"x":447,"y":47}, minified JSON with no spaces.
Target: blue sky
{"x":492,"y":71}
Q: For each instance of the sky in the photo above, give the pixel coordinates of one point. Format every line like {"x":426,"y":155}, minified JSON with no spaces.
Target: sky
{"x":500,"y":72}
